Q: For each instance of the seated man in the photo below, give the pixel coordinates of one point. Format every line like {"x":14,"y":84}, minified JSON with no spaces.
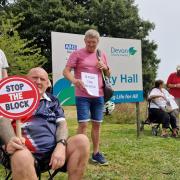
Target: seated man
{"x":45,"y":138}
{"x":159,"y":99}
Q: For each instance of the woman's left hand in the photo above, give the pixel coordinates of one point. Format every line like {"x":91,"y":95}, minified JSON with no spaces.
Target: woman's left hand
{"x":101,"y":65}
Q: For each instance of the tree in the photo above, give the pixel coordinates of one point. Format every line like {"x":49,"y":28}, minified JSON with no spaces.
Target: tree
{"x":22,"y":54}
{"x":112,"y":18}
{"x":119,"y":18}
{"x":43,"y":16}
{"x":3,"y":2}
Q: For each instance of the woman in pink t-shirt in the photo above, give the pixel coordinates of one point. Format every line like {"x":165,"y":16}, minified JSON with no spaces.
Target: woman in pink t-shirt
{"x":88,"y":83}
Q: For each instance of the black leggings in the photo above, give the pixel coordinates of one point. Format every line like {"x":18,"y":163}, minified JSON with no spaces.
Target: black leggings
{"x":160,"y":116}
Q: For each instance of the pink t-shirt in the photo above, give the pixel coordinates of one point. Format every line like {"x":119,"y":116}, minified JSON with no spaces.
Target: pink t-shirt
{"x":83,"y":61}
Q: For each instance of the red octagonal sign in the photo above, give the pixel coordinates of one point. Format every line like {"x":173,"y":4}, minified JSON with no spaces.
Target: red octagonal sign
{"x":19,"y":97}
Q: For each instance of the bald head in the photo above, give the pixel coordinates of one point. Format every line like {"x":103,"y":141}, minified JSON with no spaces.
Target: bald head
{"x":40,"y":77}
{"x":37,"y":70}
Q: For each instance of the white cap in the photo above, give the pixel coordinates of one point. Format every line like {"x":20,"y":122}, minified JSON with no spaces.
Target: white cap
{"x":178,"y":67}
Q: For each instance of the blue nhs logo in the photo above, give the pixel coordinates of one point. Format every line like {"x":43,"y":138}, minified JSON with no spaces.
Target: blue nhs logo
{"x":71,"y":47}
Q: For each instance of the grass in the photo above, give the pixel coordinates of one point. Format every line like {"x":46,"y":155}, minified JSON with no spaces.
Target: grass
{"x":145,"y":158}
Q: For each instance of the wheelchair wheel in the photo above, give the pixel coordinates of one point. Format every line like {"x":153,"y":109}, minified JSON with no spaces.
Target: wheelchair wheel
{"x":154,"y":131}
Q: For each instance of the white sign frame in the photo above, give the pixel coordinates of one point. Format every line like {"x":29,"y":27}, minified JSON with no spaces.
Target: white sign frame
{"x":124,"y":59}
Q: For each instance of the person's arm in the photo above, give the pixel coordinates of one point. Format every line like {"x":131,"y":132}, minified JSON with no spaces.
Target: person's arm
{"x":155,"y":93}
{"x":6,"y":130}
{"x":68,"y":75}
{"x":102,"y":64}
{"x":58,"y":156}
{"x":107,"y":72}
{"x":8,"y":136}
{"x":4,"y":64}
{"x":173,"y":85}
{"x":4,"y":73}
{"x":62,"y":131}
{"x":154,"y":97}
{"x":170,"y":82}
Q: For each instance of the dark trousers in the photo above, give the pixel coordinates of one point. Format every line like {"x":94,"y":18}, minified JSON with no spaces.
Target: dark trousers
{"x":160,"y":116}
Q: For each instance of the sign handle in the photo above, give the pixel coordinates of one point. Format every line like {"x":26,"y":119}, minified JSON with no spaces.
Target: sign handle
{"x":18,"y":128}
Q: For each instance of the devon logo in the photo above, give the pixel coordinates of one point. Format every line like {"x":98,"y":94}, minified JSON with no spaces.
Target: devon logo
{"x":132,"y":51}
{"x":123,"y":51}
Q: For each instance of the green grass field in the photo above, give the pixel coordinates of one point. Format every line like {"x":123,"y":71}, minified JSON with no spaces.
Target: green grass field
{"x":146,"y":158}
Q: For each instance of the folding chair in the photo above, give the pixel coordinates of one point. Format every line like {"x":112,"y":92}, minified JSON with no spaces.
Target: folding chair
{"x":4,"y":161}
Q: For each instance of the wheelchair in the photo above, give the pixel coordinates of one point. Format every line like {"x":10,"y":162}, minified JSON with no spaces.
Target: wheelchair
{"x":153,"y":123}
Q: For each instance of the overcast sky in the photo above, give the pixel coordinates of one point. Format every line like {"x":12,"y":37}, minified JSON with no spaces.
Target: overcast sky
{"x":165,"y":14}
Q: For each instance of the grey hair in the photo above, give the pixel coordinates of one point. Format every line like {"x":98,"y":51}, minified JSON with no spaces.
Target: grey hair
{"x":92,"y":33}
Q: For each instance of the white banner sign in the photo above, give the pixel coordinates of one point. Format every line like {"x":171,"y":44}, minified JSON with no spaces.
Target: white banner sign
{"x":124,"y":59}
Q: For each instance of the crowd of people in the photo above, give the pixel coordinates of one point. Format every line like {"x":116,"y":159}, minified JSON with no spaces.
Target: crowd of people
{"x":164,"y":104}
{"x":160,"y":99}
{"x":45,"y":138}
